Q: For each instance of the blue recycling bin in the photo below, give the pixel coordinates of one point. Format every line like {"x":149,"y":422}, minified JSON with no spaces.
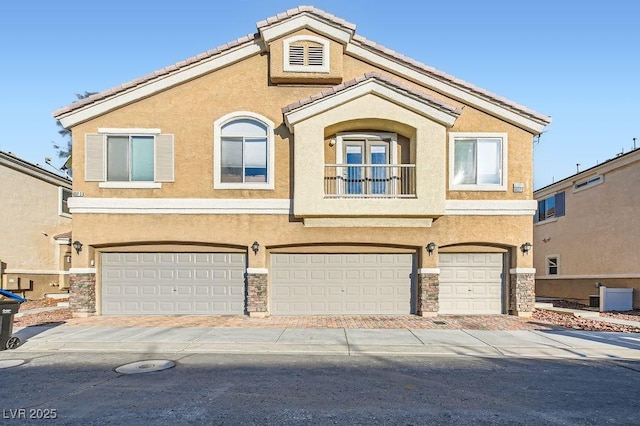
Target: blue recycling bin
{"x":8,"y":308}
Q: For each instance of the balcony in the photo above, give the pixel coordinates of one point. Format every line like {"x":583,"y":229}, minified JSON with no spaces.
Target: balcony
{"x":370,"y":181}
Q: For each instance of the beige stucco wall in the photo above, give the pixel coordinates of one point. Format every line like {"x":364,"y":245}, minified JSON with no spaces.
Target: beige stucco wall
{"x":600,"y":231}
{"x":189,"y":110}
{"x":29,"y":222}
{"x":597,"y":239}
{"x":580,"y":289}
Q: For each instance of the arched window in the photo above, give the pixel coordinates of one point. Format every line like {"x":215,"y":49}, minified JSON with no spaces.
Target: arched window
{"x":243,"y":146}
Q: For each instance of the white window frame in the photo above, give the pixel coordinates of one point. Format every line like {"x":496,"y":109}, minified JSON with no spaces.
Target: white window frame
{"x":61,"y":191}
{"x":548,"y":258}
{"x":217,"y":152}
{"x":588,"y":183}
{"x":503,"y":167}
{"x":287,"y":67}
{"x":127,"y":132}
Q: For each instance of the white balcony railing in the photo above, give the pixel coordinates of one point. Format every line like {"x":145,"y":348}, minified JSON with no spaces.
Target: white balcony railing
{"x":369,"y":180}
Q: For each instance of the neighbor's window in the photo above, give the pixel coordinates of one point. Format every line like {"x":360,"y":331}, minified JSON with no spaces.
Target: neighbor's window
{"x":65,"y":194}
{"x":550,"y":207}
{"x":552,"y":265}
{"x":588,"y":183}
{"x":306,"y":54}
{"x":245,"y":155}
{"x":477,"y":161}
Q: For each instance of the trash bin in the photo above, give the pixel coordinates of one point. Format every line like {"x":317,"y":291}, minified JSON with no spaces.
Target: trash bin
{"x":8,"y":308}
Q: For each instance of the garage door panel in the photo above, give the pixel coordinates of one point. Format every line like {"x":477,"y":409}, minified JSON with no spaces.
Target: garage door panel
{"x":470,"y":283}
{"x":173,"y":283}
{"x":352,"y":284}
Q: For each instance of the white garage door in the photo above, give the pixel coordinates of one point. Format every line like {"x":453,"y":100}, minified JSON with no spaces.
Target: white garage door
{"x":470,"y":283}
{"x":329,"y":284}
{"x":173,"y":283}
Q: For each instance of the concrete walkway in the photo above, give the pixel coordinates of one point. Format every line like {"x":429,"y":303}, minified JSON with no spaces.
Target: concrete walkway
{"x":335,"y":341}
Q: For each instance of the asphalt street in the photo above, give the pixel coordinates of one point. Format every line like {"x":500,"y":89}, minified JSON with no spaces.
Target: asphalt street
{"x":83,"y":388}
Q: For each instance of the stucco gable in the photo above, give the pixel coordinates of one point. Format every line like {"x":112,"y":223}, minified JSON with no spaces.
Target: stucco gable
{"x":371,"y":83}
{"x":285,"y":23}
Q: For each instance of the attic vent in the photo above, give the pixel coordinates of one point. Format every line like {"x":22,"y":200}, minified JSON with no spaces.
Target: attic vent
{"x":306,"y":54}
{"x":315,"y":56}
{"x":296,"y":55}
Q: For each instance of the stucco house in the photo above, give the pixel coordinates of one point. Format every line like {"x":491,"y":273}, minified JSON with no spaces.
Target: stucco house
{"x":35,"y":253}
{"x":587,"y":231}
{"x":301,"y":170}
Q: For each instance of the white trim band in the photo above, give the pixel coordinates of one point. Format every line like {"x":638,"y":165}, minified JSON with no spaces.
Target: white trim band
{"x":82,"y":270}
{"x":490,"y":207}
{"x":35,"y":272}
{"x":435,"y":271}
{"x":180,"y":205}
{"x":257,"y":271}
{"x":522,"y":270}
{"x":589,"y":277}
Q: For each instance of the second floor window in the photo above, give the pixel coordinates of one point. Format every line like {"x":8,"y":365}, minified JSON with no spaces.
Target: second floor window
{"x":130,"y":158}
{"x":477,"y":162}
{"x":243,"y":152}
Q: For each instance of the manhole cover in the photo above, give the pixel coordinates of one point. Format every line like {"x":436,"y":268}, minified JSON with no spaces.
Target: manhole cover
{"x":146,"y":366}
{"x":8,"y":363}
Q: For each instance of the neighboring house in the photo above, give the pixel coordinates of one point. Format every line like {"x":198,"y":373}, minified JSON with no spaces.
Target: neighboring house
{"x":34,"y":256}
{"x":301,"y":170}
{"x":587,"y":230}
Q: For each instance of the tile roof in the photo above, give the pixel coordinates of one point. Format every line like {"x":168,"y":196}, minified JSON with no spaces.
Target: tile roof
{"x":362,"y":41}
{"x":34,"y":168}
{"x":442,"y":76}
{"x":156,"y":74}
{"x":388,"y":81}
{"x":306,"y":9}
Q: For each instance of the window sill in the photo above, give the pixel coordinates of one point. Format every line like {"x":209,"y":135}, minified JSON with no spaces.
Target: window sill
{"x":496,"y":188}
{"x":259,"y":186}
{"x":542,"y":222}
{"x":67,"y":215}
{"x":130,"y":185}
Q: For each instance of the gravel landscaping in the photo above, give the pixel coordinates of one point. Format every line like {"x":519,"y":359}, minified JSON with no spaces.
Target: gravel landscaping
{"x":543,"y":320}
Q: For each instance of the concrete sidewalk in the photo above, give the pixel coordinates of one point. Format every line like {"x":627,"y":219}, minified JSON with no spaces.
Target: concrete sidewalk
{"x":335,"y":341}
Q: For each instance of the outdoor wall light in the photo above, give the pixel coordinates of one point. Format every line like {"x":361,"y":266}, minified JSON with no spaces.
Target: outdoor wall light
{"x":78,"y":246}
{"x":431,"y":247}
{"x":525,"y":247}
{"x":255,"y":247}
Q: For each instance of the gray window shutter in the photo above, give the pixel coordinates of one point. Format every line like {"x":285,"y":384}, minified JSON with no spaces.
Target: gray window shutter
{"x":94,"y":161}
{"x":164,"y":159}
{"x":560,"y":204}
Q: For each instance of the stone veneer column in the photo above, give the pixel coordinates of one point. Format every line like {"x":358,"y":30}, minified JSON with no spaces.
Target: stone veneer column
{"x":257,"y":282}
{"x":522,"y":294}
{"x":82,"y":294}
{"x":428,"y":291}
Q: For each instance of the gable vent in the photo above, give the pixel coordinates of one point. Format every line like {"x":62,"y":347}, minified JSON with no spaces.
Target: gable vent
{"x":315,"y":56}
{"x":296,"y":55}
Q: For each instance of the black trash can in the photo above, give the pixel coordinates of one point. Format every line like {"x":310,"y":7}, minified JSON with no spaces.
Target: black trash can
{"x":8,"y":308}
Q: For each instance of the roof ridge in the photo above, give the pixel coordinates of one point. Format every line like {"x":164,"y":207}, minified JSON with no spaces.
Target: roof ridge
{"x":305,"y":9}
{"x":450,"y":78}
{"x":374,"y":75}
{"x":37,"y":167}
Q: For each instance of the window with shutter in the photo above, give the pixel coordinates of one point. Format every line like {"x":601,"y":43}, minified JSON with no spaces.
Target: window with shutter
{"x":550,"y":207}
{"x":129,"y":158}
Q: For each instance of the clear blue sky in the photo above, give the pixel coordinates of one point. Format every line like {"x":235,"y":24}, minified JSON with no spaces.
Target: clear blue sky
{"x":577,"y":61}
